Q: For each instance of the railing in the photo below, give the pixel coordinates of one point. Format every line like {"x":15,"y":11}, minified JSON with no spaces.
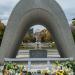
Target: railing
{"x":36,"y":59}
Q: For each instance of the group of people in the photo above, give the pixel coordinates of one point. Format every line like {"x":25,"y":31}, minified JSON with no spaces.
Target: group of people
{"x":15,"y":69}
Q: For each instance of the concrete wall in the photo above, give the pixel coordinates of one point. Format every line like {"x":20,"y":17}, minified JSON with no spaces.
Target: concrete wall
{"x":30,"y":12}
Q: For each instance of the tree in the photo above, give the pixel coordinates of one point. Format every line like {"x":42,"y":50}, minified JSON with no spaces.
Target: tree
{"x":29,"y":36}
{"x":73,"y":33}
{"x":73,"y":22}
{"x":46,"y":36}
{"x":2,"y":29}
{"x":73,"y":28}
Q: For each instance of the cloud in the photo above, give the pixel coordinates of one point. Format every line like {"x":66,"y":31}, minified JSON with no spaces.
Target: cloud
{"x":68,"y":7}
{"x":37,"y":28}
{"x":6,"y":7}
{"x":66,"y":4}
{"x":70,"y":14}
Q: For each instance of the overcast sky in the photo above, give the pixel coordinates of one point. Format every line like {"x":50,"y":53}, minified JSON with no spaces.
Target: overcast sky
{"x":6,"y":7}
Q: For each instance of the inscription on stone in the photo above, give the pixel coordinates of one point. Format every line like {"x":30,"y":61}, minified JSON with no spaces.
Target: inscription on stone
{"x":38,"y":53}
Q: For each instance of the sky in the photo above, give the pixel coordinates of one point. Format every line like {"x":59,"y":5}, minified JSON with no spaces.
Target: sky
{"x":6,"y":7}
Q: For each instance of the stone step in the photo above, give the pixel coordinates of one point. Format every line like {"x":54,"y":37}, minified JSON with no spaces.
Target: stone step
{"x":50,"y":53}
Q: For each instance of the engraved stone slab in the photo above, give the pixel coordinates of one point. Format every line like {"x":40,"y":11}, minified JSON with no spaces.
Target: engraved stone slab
{"x":38,"y":53}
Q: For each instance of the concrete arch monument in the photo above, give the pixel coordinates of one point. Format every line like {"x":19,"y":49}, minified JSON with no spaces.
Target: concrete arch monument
{"x":30,"y":12}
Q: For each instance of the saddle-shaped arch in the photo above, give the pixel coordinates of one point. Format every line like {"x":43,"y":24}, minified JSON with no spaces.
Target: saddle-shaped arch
{"x":29,"y":12}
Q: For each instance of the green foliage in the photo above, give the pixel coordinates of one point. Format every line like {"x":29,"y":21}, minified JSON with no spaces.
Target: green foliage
{"x":73,"y":33}
{"x":9,"y":66}
{"x":29,"y":73}
{"x":70,"y":64}
{"x":57,"y":63}
{"x":65,"y":73}
{"x":29,"y":36}
{"x":73,"y":22}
